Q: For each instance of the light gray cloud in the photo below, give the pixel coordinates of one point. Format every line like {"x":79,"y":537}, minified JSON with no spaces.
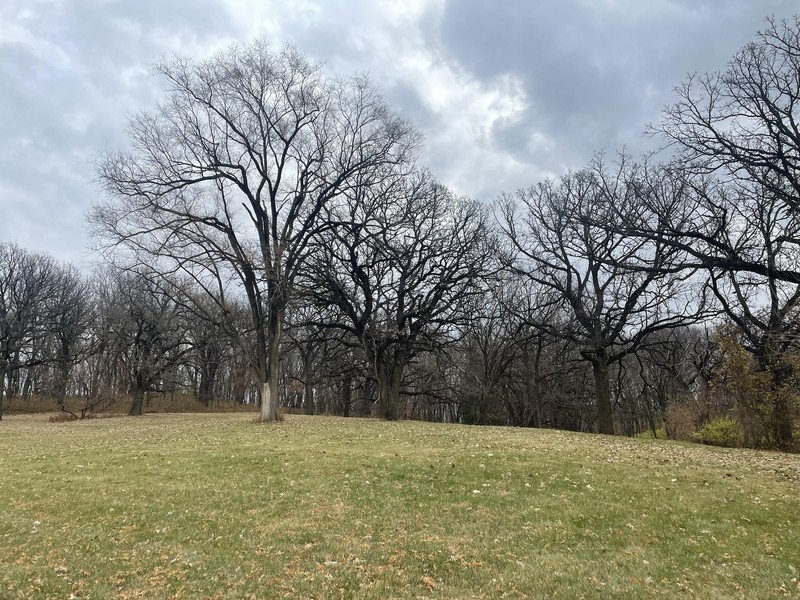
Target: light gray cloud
{"x":594,"y":73}
{"x":505,"y":92}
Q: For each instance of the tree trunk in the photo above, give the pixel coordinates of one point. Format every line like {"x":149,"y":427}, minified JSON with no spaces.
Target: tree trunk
{"x":605,"y":420}
{"x":137,"y":404}
{"x":782,"y":422}
{"x":308,"y":384}
{"x":389,"y":375}
{"x":347,"y":395}
{"x":536,"y":387}
{"x":13,"y":389}
{"x":205,"y":388}
{"x":384,"y":400}
{"x":2,"y":389}
{"x":62,"y":381}
{"x":482,"y":408}
{"x":269,"y":388}
{"x":308,"y":398}
{"x":394,"y":389}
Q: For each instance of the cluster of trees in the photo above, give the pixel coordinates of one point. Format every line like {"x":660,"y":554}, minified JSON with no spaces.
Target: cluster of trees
{"x":275,"y":226}
{"x":87,"y":342}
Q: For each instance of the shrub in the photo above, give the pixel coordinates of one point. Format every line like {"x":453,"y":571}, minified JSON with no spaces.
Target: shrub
{"x":681,"y":420}
{"x":722,"y":431}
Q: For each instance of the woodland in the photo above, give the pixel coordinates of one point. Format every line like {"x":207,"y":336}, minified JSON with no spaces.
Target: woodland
{"x":270,"y":238}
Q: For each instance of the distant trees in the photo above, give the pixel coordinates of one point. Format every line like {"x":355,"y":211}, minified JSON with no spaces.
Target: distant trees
{"x":40,"y":305}
{"x":281,"y":242}
{"x":150,"y":332}
{"x":71,"y":317}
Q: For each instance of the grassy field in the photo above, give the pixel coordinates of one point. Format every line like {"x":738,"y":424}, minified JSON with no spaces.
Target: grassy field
{"x":216,"y":506}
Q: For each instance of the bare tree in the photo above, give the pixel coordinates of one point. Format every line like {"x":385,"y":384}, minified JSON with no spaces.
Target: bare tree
{"x":757,"y":225}
{"x":615,"y":290}
{"x":399,"y":266}
{"x":228,"y":177}
{"x":744,"y":122}
{"x":28,"y":305}
{"x":490,"y":344}
{"x":148,"y":331}
{"x":72,"y":312}
{"x":737,"y":138}
{"x":211,"y":335}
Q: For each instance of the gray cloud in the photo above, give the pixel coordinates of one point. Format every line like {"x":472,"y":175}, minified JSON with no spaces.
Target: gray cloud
{"x":505,"y":92}
{"x":72,"y":73}
{"x":595,"y":73}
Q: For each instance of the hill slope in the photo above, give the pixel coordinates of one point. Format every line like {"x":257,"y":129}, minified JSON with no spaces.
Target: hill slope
{"x":191,"y":506}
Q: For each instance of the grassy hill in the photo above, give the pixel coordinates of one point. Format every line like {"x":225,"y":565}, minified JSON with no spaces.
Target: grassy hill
{"x":214,"y":505}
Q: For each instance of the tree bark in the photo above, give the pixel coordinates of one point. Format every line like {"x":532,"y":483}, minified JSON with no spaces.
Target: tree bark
{"x":308,"y":384}
{"x":137,"y":404}
{"x":2,"y":389}
{"x":308,"y":398}
{"x":269,"y":388}
{"x":347,"y":395}
{"x":389,"y":373}
{"x":394,"y":390}
{"x":384,"y":401}
{"x":605,"y":420}
{"x":205,"y":389}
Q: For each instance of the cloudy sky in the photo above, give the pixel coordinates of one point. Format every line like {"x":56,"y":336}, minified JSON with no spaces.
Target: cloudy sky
{"x":506,"y":92}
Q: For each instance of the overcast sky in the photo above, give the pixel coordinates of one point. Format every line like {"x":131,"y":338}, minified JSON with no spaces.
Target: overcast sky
{"x":506,"y":92}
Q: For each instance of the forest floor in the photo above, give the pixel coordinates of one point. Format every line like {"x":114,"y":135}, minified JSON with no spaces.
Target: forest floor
{"x":218,"y":506}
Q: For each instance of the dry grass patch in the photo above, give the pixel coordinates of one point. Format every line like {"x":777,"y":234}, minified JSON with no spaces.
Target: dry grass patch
{"x":191,"y":506}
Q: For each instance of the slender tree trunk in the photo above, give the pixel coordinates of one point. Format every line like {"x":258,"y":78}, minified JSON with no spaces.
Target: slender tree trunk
{"x":537,"y":387}
{"x":205,"y":388}
{"x":347,"y":395}
{"x":605,"y":420}
{"x":13,"y":388}
{"x":27,"y":386}
{"x":781,"y":416}
{"x":393,"y":413}
{"x":308,"y":398}
{"x":652,"y":422}
{"x":481,"y":405}
{"x":62,"y":383}
{"x":63,"y":369}
{"x":308,"y":384}
{"x":2,"y":388}
{"x":382,"y":375}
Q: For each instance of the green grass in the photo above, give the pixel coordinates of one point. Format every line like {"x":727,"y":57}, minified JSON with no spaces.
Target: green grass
{"x":216,"y":506}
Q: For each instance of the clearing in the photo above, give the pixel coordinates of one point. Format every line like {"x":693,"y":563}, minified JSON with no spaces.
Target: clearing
{"x":214,"y":505}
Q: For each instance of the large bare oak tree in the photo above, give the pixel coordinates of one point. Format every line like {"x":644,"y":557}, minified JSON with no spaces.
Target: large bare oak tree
{"x":227,"y":178}
{"x":614,"y":291}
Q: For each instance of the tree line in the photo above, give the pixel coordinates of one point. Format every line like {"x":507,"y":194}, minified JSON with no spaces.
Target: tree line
{"x":276,"y":240}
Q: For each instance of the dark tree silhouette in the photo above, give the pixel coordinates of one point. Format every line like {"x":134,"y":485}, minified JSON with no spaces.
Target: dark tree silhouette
{"x":228,"y":177}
